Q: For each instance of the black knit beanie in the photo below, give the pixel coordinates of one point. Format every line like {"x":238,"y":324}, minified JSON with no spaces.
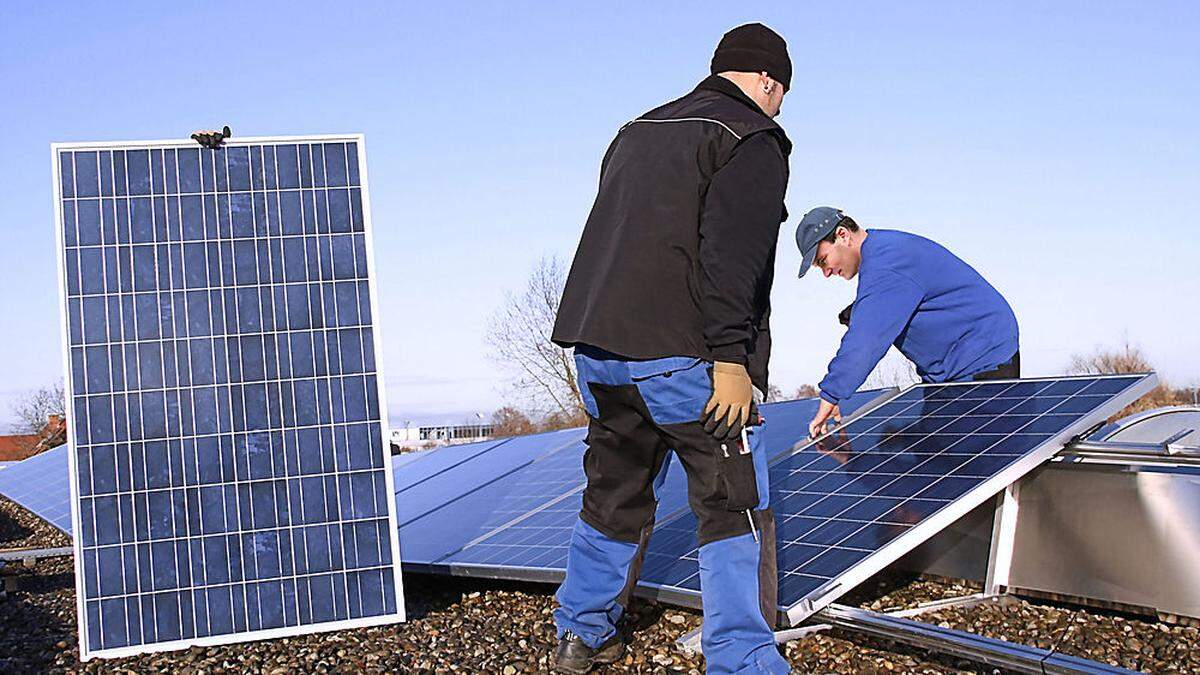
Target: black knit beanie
{"x":753,"y":48}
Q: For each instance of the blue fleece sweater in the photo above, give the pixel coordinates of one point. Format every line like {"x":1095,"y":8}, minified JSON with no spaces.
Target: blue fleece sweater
{"x":936,"y":309}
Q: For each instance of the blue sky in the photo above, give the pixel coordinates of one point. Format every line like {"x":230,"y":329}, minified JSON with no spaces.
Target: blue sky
{"x":1055,"y":146}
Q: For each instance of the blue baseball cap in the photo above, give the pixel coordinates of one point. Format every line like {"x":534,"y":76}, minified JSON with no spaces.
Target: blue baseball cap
{"x":813,"y":227}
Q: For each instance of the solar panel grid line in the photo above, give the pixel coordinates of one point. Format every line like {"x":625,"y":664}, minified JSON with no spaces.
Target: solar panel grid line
{"x":60,"y":245}
{"x":883,"y":397}
{"x":913,"y":471}
{"x":260,"y":427}
{"x":232,"y":532}
{"x":41,"y":485}
{"x":511,"y":559}
{"x":191,"y":375}
{"x":416,"y":472}
{"x":493,"y":503}
{"x":535,"y":548}
{"x":264,"y":579}
{"x":228,"y":369}
{"x":260,"y":285}
{"x":840,"y":514}
{"x":282,"y":411}
{"x":663,"y":569}
{"x":516,"y":521}
{"x":452,"y":466}
{"x":312,"y":170}
{"x":214,"y":182}
{"x":520,"y":467}
{"x":962,"y":504}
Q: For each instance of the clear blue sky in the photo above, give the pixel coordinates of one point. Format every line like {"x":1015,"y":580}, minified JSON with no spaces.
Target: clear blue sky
{"x":1055,"y":146}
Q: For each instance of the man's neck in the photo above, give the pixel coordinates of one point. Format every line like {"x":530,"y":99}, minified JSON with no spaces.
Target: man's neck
{"x":747,"y":82}
{"x":859,"y":238}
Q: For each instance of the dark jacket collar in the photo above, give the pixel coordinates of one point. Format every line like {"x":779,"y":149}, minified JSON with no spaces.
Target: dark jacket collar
{"x":718,"y":83}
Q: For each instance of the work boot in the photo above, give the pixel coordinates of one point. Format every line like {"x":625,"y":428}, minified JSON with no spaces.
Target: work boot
{"x":576,"y":658}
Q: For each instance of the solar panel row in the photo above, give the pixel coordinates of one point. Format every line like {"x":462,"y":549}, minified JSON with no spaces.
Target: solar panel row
{"x":230,"y":474}
{"x":517,"y":523}
{"x":845,"y":506}
{"x":848,"y":503}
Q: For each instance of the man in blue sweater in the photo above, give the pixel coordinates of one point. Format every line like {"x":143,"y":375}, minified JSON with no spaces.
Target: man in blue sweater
{"x":912,"y":293}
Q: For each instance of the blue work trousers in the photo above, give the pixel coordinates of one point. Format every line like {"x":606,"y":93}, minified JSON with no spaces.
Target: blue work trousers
{"x":638,"y":412}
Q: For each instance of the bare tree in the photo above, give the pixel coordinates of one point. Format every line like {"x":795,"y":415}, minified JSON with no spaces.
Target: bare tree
{"x":1106,"y":361}
{"x":35,"y":407}
{"x":806,"y":391}
{"x":518,"y":337}
{"x":1124,"y":360}
{"x":893,"y":370}
{"x":509,"y":421}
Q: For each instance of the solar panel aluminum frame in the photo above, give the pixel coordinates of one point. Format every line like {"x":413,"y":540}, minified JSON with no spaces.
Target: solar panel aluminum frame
{"x":960,"y":506}
{"x":262,"y":634}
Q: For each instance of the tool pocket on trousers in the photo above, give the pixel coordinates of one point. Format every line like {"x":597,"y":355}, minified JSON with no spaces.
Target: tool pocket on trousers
{"x":675,"y":388}
{"x":735,"y":467}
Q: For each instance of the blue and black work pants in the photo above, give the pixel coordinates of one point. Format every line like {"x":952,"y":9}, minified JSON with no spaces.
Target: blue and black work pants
{"x":638,"y":412}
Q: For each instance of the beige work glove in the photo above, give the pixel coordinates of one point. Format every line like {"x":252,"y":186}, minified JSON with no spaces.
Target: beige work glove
{"x":729,"y":408}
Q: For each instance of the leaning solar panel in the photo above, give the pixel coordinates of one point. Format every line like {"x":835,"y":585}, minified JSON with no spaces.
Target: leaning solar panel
{"x":857,"y":499}
{"x":228,"y":468}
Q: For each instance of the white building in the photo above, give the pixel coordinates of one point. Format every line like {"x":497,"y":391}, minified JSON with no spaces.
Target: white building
{"x":414,"y":438}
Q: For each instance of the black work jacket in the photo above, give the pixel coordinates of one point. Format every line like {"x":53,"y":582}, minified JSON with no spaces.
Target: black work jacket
{"x":677,"y":256}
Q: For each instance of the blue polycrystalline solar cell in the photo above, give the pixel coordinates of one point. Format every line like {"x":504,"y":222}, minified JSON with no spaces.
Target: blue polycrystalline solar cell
{"x":466,"y":515}
{"x":230,"y":468}
{"x":41,"y":484}
{"x":536,"y":545}
{"x":438,"y":460}
{"x":930,"y":454}
{"x":673,"y":545}
{"x":456,"y":469}
{"x":409,"y":457}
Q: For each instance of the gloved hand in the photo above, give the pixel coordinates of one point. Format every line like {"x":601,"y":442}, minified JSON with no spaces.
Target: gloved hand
{"x":844,"y":315}
{"x":729,"y":408}
{"x":212,"y":139}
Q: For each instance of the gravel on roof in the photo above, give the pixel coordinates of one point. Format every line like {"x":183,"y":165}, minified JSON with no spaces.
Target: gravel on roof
{"x":477,"y":625}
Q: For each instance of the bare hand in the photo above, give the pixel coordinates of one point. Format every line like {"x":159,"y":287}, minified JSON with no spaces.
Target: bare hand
{"x":819,"y":424}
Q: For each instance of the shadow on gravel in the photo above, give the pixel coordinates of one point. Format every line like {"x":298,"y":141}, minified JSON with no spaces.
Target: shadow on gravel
{"x":877,"y":586}
{"x":12,"y":532}
{"x":32,"y":635}
{"x":641,"y":616}
{"x":426,"y":594}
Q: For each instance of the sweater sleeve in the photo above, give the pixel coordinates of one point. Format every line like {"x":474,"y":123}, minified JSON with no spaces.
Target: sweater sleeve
{"x":881,"y":311}
{"x":739,"y":226}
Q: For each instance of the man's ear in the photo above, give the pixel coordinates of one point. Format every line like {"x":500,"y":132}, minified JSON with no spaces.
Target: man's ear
{"x":765,"y":81}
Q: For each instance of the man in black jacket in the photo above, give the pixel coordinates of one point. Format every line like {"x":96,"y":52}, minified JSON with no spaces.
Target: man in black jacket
{"x":667,"y":307}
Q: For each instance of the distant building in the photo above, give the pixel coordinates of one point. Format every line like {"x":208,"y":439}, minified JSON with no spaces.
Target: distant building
{"x":16,"y":447}
{"x":415,"y":438}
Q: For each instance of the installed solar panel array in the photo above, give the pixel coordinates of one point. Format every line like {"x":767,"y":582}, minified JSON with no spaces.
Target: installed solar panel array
{"x":507,"y":509}
{"x":229,"y":473}
{"x":902,"y":468}
{"x":860,"y":498}
{"x":42,"y":484}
